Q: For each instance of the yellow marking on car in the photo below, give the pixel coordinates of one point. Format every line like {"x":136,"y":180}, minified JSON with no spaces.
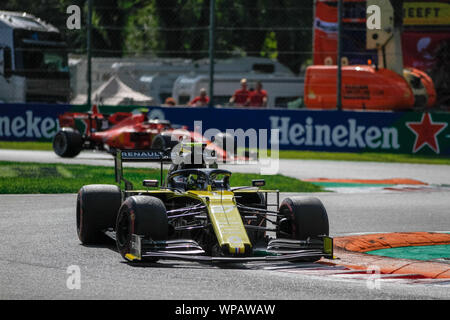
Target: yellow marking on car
{"x":226,"y":220}
{"x":131,"y":257}
{"x":328,"y":245}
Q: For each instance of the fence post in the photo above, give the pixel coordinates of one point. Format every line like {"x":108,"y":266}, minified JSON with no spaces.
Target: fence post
{"x":339,"y":58}
{"x":89,"y":54}
{"x":211,"y":51}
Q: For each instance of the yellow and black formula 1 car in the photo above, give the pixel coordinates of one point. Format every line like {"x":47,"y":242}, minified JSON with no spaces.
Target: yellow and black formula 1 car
{"x":196,"y":216}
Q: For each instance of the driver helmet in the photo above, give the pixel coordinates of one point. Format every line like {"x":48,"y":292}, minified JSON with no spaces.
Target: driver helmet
{"x":192,"y":182}
{"x":195,"y":182}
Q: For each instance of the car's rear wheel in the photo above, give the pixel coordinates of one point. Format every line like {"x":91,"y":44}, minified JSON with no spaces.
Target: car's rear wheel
{"x":304,"y":217}
{"x":227,"y":142}
{"x":67,"y":143}
{"x":144,"y":216}
{"x":97,"y":208}
{"x":163,"y":142}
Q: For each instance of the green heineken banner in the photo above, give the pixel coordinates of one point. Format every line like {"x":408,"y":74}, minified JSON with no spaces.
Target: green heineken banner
{"x":393,"y":132}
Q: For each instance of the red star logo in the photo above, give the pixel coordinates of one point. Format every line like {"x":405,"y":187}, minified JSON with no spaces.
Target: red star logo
{"x":426,"y":132}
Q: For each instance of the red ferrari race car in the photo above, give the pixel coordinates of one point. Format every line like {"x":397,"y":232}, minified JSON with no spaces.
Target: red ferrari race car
{"x":126,"y":130}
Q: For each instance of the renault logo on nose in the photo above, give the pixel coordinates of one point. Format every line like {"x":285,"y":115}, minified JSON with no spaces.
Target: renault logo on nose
{"x":234,"y":240}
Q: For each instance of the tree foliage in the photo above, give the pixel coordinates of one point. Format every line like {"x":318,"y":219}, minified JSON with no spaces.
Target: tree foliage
{"x":180,"y":28}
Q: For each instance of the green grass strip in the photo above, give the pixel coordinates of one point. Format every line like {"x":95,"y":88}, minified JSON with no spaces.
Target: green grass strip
{"x":26,"y":145}
{"x":27,"y":178}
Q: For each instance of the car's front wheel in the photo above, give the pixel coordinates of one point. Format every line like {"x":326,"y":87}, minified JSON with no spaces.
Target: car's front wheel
{"x":143,"y":216}
{"x":303,"y":218}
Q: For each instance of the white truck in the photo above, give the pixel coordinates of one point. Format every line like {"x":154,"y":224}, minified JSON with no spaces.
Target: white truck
{"x":282,"y":90}
{"x":155,"y":77}
{"x":33,"y":61}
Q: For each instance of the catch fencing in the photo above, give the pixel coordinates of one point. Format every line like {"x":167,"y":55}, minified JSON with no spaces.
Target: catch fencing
{"x":190,"y":32}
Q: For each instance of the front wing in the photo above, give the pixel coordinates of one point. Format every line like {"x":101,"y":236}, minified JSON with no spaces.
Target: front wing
{"x":189,"y":250}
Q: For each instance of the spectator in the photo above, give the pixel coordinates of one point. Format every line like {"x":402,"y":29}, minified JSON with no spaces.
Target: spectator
{"x":201,"y":100}
{"x":240,"y":96}
{"x":170,"y":102}
{"x":258,"y":97}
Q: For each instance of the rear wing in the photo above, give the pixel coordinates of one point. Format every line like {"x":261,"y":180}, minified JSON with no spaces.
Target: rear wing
{"x":188,"y":151}
{"x":151,"y":155}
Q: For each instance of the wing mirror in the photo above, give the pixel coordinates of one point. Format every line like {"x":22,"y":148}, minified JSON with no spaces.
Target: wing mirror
{"x":150,"y":183}
{"x":259,"y":183}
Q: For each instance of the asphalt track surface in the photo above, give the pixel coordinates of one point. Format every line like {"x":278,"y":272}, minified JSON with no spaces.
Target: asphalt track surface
{"x":39,"y":243}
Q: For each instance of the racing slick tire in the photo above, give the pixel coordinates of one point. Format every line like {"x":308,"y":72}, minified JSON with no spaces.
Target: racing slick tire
{"x":163,"y":142}
{"x":67,"y":143}
{"x":305,"y":217}
{"x":144,"y":216}
{"x":97,"y":208}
